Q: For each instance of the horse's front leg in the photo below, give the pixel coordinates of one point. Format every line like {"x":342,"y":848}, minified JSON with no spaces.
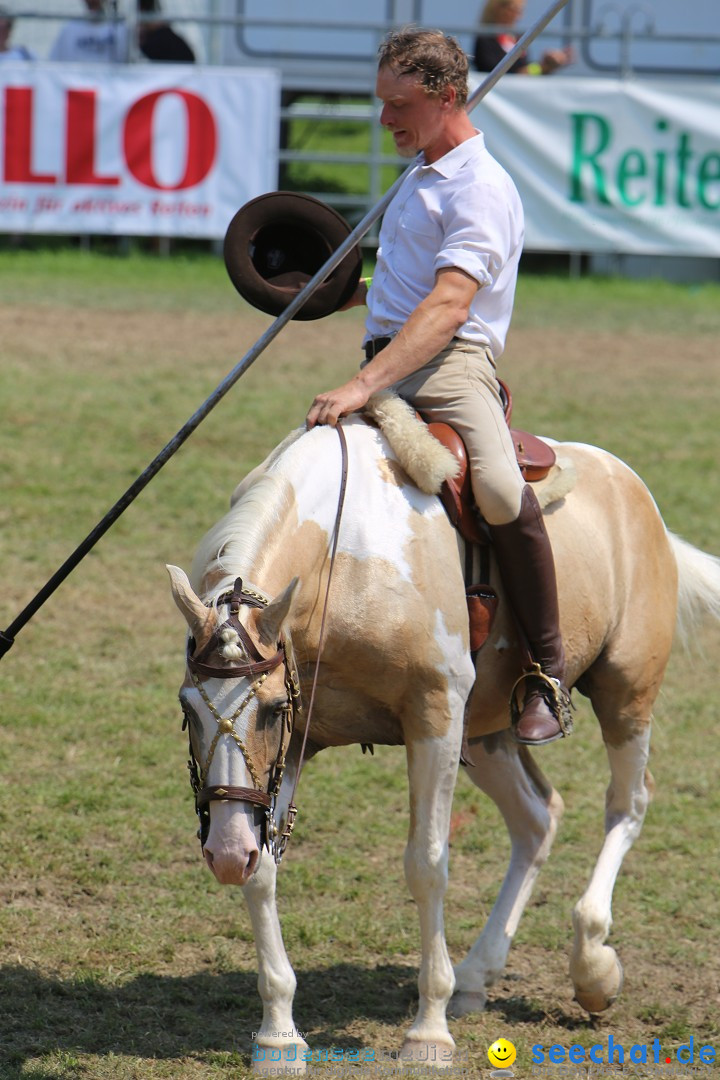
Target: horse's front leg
{"x":279,"y":1047}
{"x":432,"y":771}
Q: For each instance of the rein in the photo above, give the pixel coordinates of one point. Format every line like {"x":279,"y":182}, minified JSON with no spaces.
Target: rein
{"x":258,"y":668}
{"x":321,"y":640}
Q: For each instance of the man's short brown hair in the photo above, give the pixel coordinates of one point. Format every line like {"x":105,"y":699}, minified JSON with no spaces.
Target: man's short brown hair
{"x":432,"y":55}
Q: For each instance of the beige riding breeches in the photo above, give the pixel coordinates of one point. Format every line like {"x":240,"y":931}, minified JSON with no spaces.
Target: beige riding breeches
{"x":459,"y":387}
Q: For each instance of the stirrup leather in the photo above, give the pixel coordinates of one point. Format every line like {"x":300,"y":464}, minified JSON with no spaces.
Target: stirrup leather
{"x":554,"y":693}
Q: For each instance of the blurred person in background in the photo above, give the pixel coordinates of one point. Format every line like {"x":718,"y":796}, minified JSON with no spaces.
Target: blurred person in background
{"x":491,"y":47}
{"x":157,"y":40}
{"x":98,"y":37}
{"x":8,"y":51}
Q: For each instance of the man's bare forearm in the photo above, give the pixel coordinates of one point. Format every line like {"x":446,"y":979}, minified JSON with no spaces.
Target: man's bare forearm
{"x":429,"y":329}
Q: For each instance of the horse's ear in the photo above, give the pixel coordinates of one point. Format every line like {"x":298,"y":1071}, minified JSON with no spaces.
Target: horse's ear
{"x":201,"y":620}
{"x":271,"y":619}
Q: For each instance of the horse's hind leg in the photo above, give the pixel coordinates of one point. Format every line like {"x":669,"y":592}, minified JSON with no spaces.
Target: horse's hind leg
{"x":532,"y":810}
{"x":595,"y":969}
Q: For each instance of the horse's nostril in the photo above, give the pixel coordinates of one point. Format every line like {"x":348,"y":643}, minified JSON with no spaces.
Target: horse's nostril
{"x":252,"y":862}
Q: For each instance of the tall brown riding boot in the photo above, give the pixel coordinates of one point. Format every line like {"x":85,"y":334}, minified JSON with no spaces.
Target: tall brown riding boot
{"x":527,"y":569}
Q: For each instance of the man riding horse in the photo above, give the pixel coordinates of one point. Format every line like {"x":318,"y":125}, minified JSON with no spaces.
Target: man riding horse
{"x":439,"y":307}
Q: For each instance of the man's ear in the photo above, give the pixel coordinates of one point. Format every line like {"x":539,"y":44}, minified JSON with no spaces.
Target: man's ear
{"x":448,"y":98}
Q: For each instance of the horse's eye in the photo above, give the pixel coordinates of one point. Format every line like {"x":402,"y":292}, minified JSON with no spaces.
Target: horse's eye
{"x":273,"y":713}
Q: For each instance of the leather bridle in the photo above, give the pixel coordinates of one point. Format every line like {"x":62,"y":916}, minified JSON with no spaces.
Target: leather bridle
{"x":258,"y":668}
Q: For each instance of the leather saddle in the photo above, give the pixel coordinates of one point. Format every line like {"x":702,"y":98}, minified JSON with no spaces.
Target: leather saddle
{"x":534,"y":457}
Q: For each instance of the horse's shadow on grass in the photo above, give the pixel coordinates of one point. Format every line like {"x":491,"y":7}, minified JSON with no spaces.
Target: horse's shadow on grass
{"x":167,"y":1017}
{"x":158,"y":1016}
{"x":513,"y":1010}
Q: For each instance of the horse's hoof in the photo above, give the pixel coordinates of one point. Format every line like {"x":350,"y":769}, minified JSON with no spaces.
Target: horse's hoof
{"x":428,"y":1055}
{"x":605,"y":993}
{"x":287,"y":1060}
{"x":465,"y":1002}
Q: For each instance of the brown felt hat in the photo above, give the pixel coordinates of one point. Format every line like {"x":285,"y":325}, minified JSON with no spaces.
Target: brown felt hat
{"x":276,"y":243}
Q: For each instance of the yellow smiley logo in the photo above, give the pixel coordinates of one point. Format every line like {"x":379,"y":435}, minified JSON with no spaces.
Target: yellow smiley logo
{"x":502,"y":1053}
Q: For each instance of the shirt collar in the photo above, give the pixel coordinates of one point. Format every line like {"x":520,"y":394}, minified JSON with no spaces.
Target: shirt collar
{"x":454,"y":160}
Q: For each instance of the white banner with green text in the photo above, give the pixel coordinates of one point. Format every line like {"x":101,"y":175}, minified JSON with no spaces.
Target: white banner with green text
{"x":630,"y":166}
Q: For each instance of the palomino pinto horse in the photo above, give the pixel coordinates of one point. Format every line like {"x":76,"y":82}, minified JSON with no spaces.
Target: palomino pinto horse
{"x":395,"y":669}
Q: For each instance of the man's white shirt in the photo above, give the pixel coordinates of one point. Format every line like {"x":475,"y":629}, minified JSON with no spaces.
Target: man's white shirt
{"x":461,"y":211}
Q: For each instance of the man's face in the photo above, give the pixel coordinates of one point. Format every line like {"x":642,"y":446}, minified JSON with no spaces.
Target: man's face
{"x":415,"y":119}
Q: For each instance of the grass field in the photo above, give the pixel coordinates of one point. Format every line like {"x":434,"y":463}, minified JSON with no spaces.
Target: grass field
{"x":119,"y":955}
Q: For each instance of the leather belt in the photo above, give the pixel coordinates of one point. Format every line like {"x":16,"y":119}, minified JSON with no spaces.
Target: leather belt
{"x":376,"y":345}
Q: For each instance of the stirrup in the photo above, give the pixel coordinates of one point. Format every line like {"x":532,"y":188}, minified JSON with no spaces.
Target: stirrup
{"x":555,"y":695}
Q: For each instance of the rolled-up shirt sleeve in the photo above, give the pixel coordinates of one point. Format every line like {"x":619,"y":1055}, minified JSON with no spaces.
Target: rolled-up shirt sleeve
{"x":461,"y":212}
{"x":480,"y":233}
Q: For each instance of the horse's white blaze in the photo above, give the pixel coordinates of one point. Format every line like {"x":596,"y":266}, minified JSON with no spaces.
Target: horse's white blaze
{"x":231,"y":849}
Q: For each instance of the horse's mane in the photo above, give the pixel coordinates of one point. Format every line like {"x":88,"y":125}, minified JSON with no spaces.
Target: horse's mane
{"x":229,"y":547}
{"x":255,"y":508}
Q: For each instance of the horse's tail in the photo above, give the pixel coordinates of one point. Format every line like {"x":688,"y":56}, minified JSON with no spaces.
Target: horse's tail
{"x":698,"y":587}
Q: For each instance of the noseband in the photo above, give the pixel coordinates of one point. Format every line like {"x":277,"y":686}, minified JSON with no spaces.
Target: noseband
{"x":257,"y":668}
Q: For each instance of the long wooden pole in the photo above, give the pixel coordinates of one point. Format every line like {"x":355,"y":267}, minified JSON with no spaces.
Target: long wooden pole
{"x":7,"y":637}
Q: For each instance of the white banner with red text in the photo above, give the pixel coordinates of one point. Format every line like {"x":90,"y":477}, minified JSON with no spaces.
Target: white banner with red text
{"x":629,"y":166}
{"x":162,"y":150}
